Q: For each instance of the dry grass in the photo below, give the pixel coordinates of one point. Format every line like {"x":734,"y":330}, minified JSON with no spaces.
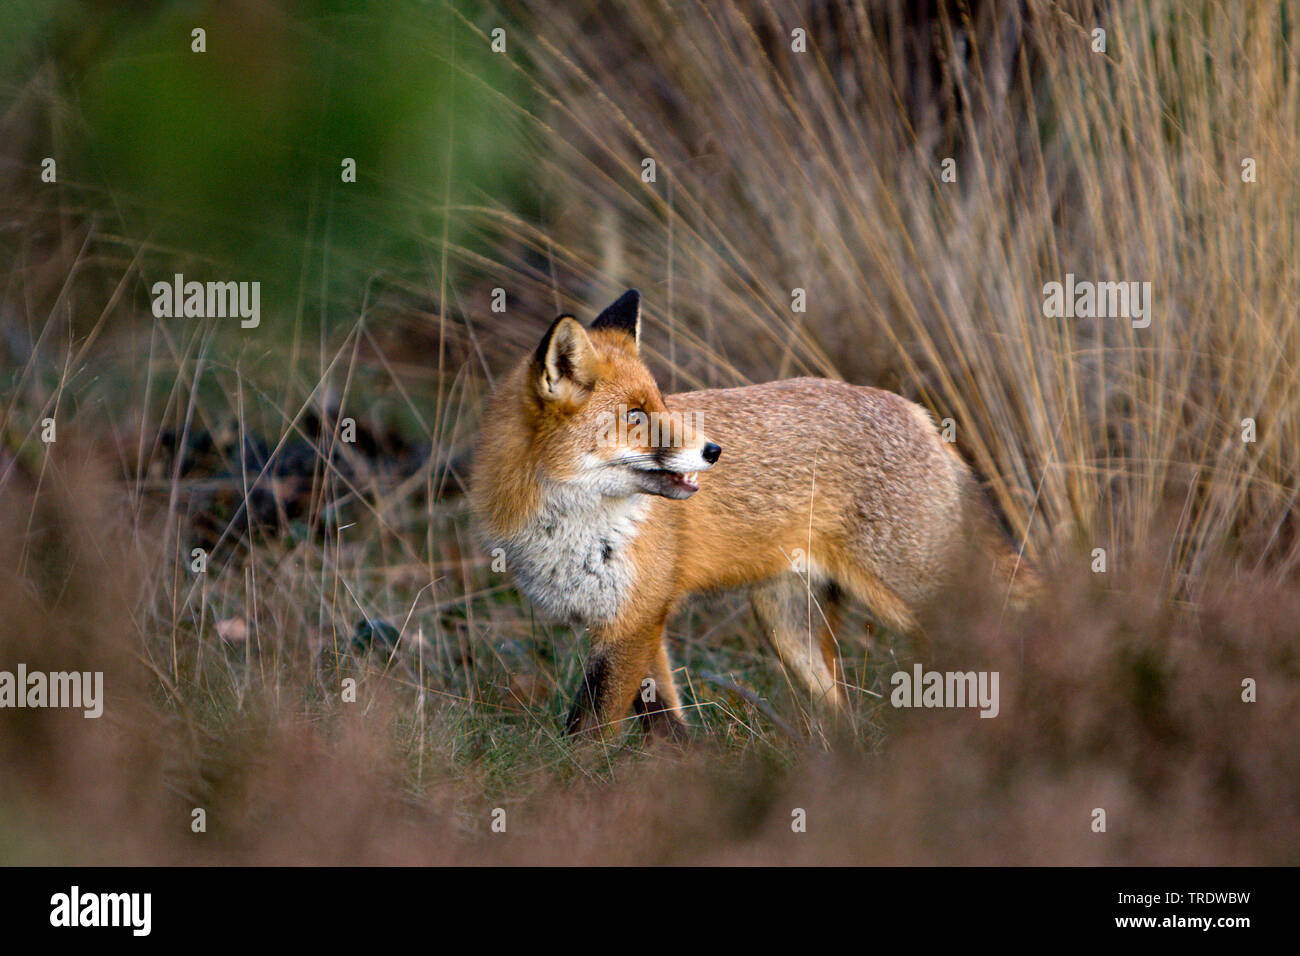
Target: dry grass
{"x":779,"y":171}
{"x":774,"y":171}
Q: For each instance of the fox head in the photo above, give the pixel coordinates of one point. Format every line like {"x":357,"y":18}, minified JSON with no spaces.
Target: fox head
{"x":597,"y":418}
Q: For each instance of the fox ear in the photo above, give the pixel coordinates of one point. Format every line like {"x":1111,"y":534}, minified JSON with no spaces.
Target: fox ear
{"x":565,"y":360}
{"x":624,"y":315}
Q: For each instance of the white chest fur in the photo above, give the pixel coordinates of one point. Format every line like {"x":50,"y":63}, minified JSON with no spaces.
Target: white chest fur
{"x":571,"y":559}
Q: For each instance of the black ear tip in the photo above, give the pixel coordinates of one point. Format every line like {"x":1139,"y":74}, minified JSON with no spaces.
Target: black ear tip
{"x":628,"y":302}
{"x":623,"y":314}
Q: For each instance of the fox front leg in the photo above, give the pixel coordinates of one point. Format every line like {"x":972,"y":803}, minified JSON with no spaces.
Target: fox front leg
{"x":657,"y":703}
{"x":582,"y":713}
{"x":612,"y":683}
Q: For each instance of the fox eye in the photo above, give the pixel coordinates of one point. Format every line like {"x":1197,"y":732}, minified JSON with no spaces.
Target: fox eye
{"x":637,"y":416}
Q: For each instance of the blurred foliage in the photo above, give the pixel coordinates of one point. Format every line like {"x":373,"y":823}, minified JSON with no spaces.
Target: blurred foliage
{"x":234,"y":156}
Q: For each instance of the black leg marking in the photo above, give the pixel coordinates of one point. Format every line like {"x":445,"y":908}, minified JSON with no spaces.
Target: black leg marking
{"x":588,"y":696}
{"x":656,"y":720}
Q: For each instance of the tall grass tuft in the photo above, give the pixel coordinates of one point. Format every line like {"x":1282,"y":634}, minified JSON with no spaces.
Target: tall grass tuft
{"x":779,"y":170}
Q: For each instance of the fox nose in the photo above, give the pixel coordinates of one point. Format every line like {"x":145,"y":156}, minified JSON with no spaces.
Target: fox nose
{"x":710,"y":452}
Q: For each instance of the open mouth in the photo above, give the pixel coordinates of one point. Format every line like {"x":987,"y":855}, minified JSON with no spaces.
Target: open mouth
{"x":688,"y":482}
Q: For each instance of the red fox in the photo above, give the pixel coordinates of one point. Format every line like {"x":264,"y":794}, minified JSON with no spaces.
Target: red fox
{"x":612,"y":502}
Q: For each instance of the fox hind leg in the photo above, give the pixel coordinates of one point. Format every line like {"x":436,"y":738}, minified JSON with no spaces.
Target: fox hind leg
{"x":802,"y":640}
